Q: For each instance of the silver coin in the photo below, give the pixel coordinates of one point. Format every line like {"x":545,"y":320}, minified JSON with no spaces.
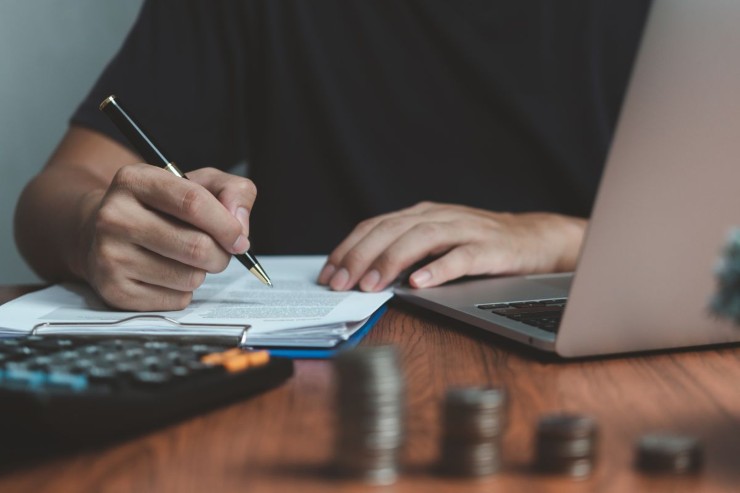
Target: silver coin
{"x":669,"y":452}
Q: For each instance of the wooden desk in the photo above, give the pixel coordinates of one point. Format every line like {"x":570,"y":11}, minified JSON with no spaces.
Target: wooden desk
{"x":281,"y":441}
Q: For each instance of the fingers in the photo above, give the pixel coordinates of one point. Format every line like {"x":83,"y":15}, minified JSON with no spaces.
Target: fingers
{"x":131,"y":278}
{"x":365,"y":227}
{"x":391,"y":247}
{"x":185,"y":200}
{"x":358,"y":259}
{"x":419,"y":242}
{"x":356,"y":252}
{"x":237,"y":194}
{"x":122,"y":221}
{"x":156,"y":270}
{"x":154,"y":236}
{"x":137,"y":296}
{"x":456,"y":263}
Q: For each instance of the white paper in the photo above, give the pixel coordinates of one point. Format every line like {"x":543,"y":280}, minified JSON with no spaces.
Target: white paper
{"x":296,"y":309}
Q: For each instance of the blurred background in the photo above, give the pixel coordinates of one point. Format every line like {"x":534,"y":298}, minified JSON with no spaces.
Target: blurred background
{"x":51,"y":52}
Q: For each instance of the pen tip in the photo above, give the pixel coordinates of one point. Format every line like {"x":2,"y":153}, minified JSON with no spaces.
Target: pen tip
{"x":257,"y":270}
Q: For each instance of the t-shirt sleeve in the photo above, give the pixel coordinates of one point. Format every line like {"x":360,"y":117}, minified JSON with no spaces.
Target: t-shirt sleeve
{"x":179,"y":75}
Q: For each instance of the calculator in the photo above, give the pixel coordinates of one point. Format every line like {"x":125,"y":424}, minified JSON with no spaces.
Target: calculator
{"x":68,"y":391}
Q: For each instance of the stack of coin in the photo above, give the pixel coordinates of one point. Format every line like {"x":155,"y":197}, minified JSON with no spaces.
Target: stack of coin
{"x":566,"y":444}
{"x":473,"y":421}
{"x":668,"y":453}
{"x":370,"y":391}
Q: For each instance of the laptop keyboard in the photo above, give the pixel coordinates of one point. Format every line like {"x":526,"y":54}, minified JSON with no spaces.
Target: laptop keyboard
{"x":543,"y":314}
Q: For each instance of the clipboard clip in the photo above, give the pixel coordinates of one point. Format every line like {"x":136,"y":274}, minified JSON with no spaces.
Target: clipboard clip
{"x":161,"y":327}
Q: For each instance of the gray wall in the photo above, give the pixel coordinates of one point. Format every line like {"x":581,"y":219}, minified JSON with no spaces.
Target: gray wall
{"x":50,"y":54}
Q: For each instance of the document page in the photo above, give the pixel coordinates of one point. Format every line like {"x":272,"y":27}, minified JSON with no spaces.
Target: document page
{"x":227,"y":301}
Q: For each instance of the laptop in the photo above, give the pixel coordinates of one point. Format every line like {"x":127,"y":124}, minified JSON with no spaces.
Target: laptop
{"x":669,"y":194}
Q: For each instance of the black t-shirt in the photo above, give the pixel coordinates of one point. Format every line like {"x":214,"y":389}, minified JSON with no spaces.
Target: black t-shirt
{"x":346,"y":109}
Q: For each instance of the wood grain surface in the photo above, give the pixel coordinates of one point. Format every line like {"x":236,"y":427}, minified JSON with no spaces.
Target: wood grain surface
{"x":282,"y":440}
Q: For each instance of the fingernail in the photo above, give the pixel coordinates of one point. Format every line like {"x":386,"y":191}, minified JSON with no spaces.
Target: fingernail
{"x":241,"y":244}
{"x":339,"y":280}
{"x":421,"y":278}
{"x":242,"y":214}
{"x":370,"y":280}
{"x":326,"y":273}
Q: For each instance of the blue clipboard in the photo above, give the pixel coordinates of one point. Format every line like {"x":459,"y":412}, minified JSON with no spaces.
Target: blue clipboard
{"x":322,"y":353}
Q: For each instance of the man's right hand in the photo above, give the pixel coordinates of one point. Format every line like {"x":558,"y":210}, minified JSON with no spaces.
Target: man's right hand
{"x":142,"y":237}
{"x":154,"y":236}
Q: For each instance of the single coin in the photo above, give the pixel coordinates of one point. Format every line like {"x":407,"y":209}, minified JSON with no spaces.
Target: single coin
{"x":669,"y":453}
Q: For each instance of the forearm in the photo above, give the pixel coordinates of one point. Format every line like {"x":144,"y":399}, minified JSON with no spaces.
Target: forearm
{"x":571,"y":230}
{"x":52,"y":210}
{"x":50,"y":218}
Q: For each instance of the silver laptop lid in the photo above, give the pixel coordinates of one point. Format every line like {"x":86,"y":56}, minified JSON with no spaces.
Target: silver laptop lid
{"x":670,"y":191}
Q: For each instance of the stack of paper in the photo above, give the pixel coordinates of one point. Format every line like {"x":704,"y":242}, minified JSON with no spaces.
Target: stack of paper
{"x":296,"y":312}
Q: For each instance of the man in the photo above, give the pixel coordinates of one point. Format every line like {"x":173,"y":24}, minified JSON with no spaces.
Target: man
{"x":471,"y":132}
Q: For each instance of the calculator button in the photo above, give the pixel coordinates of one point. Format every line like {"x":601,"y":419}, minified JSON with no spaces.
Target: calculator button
{"x":219,"y":357}
{"x":21,"y":377}
{"x":180,"y":371}
{"x":179,"y":357}
{"x":69,"y":355}
{"x":159,"y":346}
{"x":110,"y":357}
{"x":150,"y":378}
{"x":247,"y":359}
{"x":18,"y":365}
{"x":69,"y":381}
{"x":203,"y":349}
{"x":8,"y":343}
{"x":21,"y":352}
{"x":118,"y":344}
{"x":91,"y":350}
{"x":39,"y":362}
{"x":60,"y":368}
{"x":127,"y":367}
{"x":134,"y":352}
{"x":155,"y":364}
{"x":83,"y":364}
{"x":102,"y":374}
